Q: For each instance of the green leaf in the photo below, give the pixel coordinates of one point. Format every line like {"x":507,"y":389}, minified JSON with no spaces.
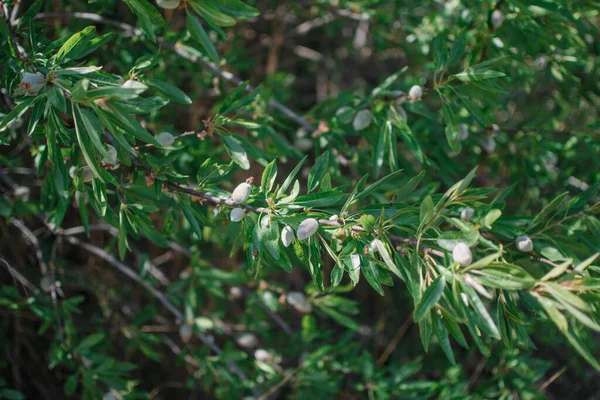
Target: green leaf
{"x":430,"y":298}
{"x":199,"y":34}
{"x":236,"y":151}
{"x":170,"y":91}
{"x":150,"y":18}
{"x":369,"y":270}
{"x":317,"y":171}
{"x":491,"y":217}
{"x":426,"y":212}
{"x":16,"y":112}
{"x":557,"y":271}
{"x":75,"y":45}
{"x":234,"y":8}
{"x":387,"y":258}
{"x":504,"y":276}
{"x":57,"y":98}
{"x":189,"y":215}
{"x":85,"y":144}
{"x":268,"y":178}
{"x":487,"y":322}
{"x":371,"y":188}
{"x":586,"y":263}
{"x":442,"y":334}
{"x":90,"y":341}
{"x":440,"y":55}
{"x":320,"y":199}
{"x":477,"y":75}
{"x":448,"y":240}
{"x":452,"y":133}
{"x":458,"y":49}
{"x":212,"y":15}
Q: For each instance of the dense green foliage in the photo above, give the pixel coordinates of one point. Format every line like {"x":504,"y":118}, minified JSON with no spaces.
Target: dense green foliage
{"x":302,"y":200}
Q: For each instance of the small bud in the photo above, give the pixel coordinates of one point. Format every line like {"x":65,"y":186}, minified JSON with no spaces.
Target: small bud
{"x":495,"y":129}
{"x":334,"y":218}
{"x":415,"y":93}
{"x":524,"y":243}
{"x":287,"y":236}
{"x":362,"y":119}
{"x":307,"y":228}
{"x":497,"y":18}
{"x":299,"y":302}
{"x":31,"y":84}
{"x":466,"y":213}
{"x":262,"y":355}
{"x":463,"y":130}
{"x":237,"y":214}
{"x":185,"y":332}
{"x":462,"y":254}
{"x":112,"y":152}
{"x":340,"y":233}
{"x":355,"y":260}
{"x":216,"y":210}
{"x":241,"y":193}
{"x":168,"y":4}
{"x":247,"y":340}
{"x":165,"y":139}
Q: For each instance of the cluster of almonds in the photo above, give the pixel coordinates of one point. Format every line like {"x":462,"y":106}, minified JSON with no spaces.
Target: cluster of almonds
{"x":461,"y":254}
{"x":306,"y":229}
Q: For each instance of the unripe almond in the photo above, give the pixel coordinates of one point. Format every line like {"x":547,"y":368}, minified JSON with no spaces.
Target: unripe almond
{"x":466,"y":213}
{"x":112,"y":152}
{"x":299,"y":302}
{"x":237,"y":214}
{"x":87,"y":174}
{"x":287,"y":236}
{"x":31,"y":84}
{"x":241,"y":193}
{"x":307,"y":228}
{"x":262,"y":355}
{"x":524,"y":243}
{"x":247,"y":340}
{"x":497,"y":18}
{"x":415,"y":93}
{"x":165,"y":139}
{"x":462,"y":254}
{"x":168,"y":4}
{"x":362,"y":119}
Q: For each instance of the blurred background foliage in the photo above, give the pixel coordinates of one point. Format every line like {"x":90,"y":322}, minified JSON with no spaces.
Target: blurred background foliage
{"x":532,"y":132}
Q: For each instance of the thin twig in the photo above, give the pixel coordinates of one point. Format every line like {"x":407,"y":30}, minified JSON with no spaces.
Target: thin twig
{"x":281,"y":383}
{"x":392,"y":345}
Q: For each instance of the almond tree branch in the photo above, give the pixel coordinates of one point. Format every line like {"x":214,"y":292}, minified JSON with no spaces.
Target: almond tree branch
{"x":176,"y":47}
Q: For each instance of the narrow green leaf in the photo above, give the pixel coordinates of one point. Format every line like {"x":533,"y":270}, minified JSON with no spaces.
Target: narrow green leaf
{"x":430,"y":298}
{"x":198,"y":33}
